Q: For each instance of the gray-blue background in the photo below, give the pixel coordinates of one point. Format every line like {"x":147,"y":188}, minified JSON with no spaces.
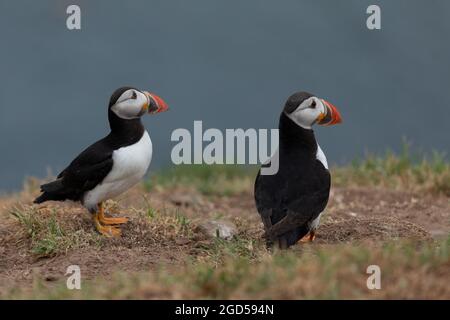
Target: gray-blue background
{"x":229,"y":63}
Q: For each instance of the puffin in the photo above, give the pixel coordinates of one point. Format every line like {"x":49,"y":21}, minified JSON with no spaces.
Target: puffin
{"x":111,"y":165}
{"x":291,"y":201}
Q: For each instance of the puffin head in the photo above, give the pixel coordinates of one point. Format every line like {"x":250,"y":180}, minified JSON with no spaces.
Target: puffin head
{"x":130,"y":103}
{"x":306,"y":109}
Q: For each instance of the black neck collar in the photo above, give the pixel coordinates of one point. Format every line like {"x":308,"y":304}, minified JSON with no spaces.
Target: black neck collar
{"x":125,"y":130}
{"x":294,"y":136}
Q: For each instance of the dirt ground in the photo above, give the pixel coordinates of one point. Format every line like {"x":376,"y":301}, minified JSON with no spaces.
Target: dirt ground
{"x":353,"y":215}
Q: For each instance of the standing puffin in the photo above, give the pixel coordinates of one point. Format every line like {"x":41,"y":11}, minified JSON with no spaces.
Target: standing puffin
{"x":291,"y":201}
{"x":113,"y":164}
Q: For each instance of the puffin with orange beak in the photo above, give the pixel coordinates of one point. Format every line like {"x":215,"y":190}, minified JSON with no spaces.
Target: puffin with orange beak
{"x":111,"y":165}
{"x":291,"y":201}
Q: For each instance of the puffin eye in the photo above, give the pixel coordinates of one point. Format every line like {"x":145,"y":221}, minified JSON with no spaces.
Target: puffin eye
{"x":134,"y":95}
{"x":313,"y":104}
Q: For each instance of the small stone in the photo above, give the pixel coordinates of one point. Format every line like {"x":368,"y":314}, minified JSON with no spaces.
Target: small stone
{"x":218,"y":228}
{"x":185,"y":200}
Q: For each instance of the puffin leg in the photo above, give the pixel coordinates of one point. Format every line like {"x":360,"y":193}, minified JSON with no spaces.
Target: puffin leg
{"x":108,"y":221}
{"x":107,"y":231}
{"x":282,"y":243}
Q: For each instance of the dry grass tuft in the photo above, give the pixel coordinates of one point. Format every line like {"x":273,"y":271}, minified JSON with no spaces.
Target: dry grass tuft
{"x":47,"y":236}
{"x":399,"y":172}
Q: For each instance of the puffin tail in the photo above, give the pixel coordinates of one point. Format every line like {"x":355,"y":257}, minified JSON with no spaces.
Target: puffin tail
{"x":51,"y":191}
{"x":42,"y":198}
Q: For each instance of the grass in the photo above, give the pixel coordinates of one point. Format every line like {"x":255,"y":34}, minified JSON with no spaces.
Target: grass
{"x":408,"y":270}
{"x":218,"y":251}
{"x":404,"y":171}
{"x":241,"y":268}
{"x":52,"y":232}
{"x":221,"y":180}
{"x":165,"y":224}
{"x":47,"y":235}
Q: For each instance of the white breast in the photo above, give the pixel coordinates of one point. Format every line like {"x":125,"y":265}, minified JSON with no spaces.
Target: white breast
{"x":129,"y":166}
{"x":321,"y":157}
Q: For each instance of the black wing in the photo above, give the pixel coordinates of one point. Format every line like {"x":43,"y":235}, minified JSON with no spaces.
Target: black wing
{"x":265,"y":199}
{"x":298,"y":213}
{"x":83,"y":174}
{"x":286,"y":208}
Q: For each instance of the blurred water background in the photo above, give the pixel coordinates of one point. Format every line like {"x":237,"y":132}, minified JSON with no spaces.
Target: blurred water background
{"x":229,"y":63}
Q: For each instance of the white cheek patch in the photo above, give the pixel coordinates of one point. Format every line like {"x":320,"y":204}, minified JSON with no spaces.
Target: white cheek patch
{"x":129,"y":108}
{"x":125,"y":96}
{"x":322,"y":106}
{"x":126,"y":110}
{"x":142,"y":99}
{"x":298,"y":119}
{"x":304,"y":116}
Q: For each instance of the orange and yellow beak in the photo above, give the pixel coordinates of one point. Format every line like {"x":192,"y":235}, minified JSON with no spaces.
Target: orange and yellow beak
{"x":155,"y":103}
{"x":331,"y":115}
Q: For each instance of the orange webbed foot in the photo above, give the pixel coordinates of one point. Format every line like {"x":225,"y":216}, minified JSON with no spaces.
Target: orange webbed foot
{"x":309,"y":237}
{"x":111,"y":221}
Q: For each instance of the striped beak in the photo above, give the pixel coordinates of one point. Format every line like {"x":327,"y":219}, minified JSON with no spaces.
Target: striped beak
{"x":331,"y":115}
{"x":156,"y":104}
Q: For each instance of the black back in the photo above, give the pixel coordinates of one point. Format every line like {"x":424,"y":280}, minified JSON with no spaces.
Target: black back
{"x":299,"y":190}
{"x":92,"y":165}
